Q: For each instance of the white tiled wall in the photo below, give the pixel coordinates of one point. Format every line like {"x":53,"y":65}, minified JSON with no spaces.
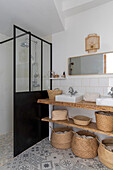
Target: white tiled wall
{"x":93,"y":85}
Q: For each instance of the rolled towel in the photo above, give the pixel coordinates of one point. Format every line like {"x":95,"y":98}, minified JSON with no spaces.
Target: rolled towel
{"x":59,"y":115}
{"x":91,"y":97}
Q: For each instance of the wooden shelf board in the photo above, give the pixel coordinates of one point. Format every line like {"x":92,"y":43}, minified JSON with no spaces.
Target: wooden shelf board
{"x":91,"y":127}
{"x":82,"y":104}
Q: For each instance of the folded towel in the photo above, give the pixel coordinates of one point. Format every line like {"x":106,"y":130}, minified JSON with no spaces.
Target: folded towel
{"x":91,"y":97}
{"x":84,"y":136}
{"x":109,"y":148}
{"x":61,"y":132}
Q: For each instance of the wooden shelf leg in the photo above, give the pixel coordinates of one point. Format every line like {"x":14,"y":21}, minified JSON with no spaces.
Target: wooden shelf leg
{"x":51,"y":107}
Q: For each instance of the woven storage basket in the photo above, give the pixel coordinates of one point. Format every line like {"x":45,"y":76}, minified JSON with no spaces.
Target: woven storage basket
{"x":105,"y":156}
{"x":61,"y":141}
{"x":53,"y":93}
{"x":84,"y":148}
{"x":81,"y":120}
{"x":104,"y":122}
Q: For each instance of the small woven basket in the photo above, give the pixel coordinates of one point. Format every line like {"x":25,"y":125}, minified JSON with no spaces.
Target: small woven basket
{"x":61,"y":141}
{"x":81,"y":120}
{"x":104,"y":122}
{"x":84,"y":148}
{"x":53,"y":93}
{"x":105,"y":156}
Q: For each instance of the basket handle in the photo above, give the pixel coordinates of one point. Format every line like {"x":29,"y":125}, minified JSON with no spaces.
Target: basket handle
{"x":75,"y":133}
{"x":100,"y":141}
{"x":56,"y":89}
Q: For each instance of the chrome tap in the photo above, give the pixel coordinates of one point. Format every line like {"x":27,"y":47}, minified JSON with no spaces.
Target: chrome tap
{"x":111,"y":92}
{"x":71,"y":91}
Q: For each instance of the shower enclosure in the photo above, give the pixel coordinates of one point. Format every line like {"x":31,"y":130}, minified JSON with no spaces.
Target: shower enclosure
{"x":32,"y":65}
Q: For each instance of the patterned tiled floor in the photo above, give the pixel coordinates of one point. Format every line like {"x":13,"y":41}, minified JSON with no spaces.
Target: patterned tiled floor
{"x":6,"y":148}
{"x":43,"y":156}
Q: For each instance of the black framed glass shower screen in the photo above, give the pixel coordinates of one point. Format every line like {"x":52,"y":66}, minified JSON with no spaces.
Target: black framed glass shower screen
{"x":33,"y":62}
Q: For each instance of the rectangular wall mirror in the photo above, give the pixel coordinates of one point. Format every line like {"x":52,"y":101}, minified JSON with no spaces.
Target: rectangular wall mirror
{"x":101,"y":63}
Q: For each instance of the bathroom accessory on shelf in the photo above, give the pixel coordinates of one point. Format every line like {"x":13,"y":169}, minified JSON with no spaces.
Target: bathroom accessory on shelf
{"x":111,"y":92}
{"x":71,"y":91}
{"x":91,"y":97}
{"x":104,"y":121}
{"x":53,"y":93}
{"x":59,"y":115}
{"x":81,"y":120}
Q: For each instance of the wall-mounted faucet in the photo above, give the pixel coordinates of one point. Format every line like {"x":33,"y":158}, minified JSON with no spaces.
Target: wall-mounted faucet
{"x":111,"y":92}
{"x":71,"y":91}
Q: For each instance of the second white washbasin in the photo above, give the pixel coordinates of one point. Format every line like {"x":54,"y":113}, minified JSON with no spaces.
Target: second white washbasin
{"x":104,"y":101}
{"x":68,"y":98}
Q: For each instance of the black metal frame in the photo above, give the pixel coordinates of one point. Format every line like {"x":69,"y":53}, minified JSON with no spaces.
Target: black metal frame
{"x":16,"y":94}
{"x":14,"y":46}
{"x":14,"y":54}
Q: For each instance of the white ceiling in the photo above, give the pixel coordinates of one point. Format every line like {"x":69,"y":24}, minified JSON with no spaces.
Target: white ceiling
{"x":41,"y":17}
{"x":38,"y":16}
{"x":72,"y":7}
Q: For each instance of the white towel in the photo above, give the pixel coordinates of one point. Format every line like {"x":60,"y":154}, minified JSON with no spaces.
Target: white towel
{"x":91,"y":97}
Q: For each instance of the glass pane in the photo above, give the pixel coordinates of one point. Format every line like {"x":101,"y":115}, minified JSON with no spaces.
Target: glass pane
{"x":46,"y":66}
{"x":35,"y":64}
{"x":22,"y":62}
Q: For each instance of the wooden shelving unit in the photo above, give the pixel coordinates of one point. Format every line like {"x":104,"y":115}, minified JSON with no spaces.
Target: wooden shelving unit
{"x":82,"y":105}
{"x":91,"y":127}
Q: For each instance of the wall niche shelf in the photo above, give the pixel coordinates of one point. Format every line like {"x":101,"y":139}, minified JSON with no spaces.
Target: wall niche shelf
{"x":91,"y":127}
{"x":59,"y":78}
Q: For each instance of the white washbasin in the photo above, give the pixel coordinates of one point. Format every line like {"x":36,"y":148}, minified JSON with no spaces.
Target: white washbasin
{"x":68,"y":98}
{"x":104,"y":101}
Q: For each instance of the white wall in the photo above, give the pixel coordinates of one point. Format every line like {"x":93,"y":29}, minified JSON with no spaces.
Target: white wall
{"x":71,"y":42}
{"x":6,"y":104}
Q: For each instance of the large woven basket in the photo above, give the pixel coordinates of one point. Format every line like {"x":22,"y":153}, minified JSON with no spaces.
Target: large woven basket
{"x":85,"y":148}
{"x":104,"y":122}
{"x":61,"y":141}
{"x":105,"y":156}
{"x":53,"y":93}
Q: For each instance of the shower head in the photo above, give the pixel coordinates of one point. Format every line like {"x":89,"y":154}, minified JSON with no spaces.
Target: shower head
{"x":24,"y":44}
